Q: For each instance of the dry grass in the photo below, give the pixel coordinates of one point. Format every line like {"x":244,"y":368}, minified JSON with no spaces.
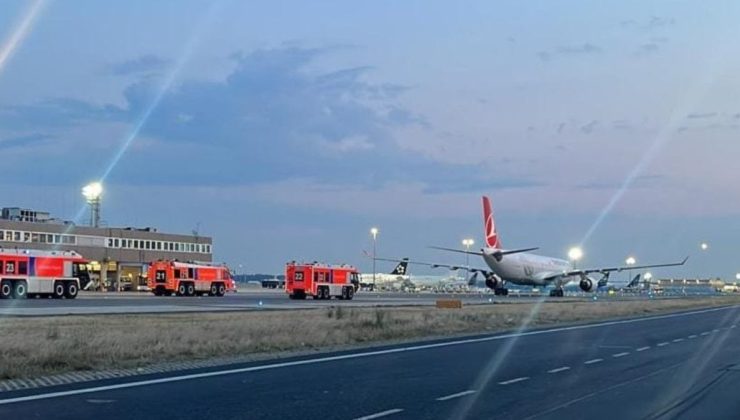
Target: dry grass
{"x":32,"y":347}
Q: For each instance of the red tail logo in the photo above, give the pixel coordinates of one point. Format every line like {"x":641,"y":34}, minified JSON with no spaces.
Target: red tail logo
{"x":490,"y":226}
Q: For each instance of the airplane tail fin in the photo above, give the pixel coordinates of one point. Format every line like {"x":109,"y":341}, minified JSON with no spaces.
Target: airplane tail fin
{"x":492,"y":239}
{"x":400,"y":269}
{"x":635,"y":281}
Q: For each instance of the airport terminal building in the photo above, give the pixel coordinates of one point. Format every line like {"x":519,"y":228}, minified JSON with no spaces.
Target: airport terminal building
{"x":119,"y":255}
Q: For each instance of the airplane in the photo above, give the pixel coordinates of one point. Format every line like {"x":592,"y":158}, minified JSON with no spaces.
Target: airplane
{"x":397,"y":276}
{"x":519,"y":266}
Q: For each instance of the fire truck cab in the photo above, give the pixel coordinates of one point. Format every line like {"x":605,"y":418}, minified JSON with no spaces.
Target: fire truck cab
{"x":321,"y":281}
{"x":165,"y":278}
{"x":31,"y":273}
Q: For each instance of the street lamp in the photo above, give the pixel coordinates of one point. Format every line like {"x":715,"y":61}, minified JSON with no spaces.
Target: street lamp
{"x":737,"y":276}
{"x":467,"y":243}
{"x":575,"y":254}
{"x":630,"y":261}
{"x":374,"y":231}
{"x":648,"y":277}
{"x":92,"y":193}
{"x":704,"y":246}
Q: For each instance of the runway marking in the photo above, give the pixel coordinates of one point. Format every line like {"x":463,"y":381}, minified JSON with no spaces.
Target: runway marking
{"x":605,"y":390}
{"x":560,"y":369}
{"x":692,"y":336}
{"x":379,"y":415}
{"x":592,"y":361}
{"x":458,"y":395}
{"x":513,"y":381}
{"x":715,"y":331}
{"x":643,"y":348}
{"x":665,"y":343}
{"x":678,"y":340}
{"x":125,"y":385}
{"x":622,"y":354}
{"x":704,"y":333}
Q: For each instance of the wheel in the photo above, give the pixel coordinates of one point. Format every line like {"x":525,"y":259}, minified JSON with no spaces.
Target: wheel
{"x":221,"y":290}
{"x":182,"y":289}
{"x":214,"y":290}
{"x":350,"y":293}
{"x":344,"y":293}
{"x":505,"y":292}
{"x":157,"y":292}
{"x":70,"y":292}
{"x":58,"y":291}
{"x":168,"y":293}
{"x":6,"y":290}
{"x":190,"y":289}
{"x":20,"y":289}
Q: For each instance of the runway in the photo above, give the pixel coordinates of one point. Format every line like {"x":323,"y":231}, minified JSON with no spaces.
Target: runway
{"x":92,"y":303}
{"x":249,"y":299}
{"x":680,"y":365}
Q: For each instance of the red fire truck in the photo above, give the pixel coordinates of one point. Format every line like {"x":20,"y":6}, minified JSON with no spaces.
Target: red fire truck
{"x":321,"y":281}
{"x":31,"y":273}
{"x":189,"y":279}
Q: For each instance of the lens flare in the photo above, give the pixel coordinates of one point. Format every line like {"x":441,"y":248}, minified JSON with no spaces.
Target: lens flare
{"x":20,"y":33}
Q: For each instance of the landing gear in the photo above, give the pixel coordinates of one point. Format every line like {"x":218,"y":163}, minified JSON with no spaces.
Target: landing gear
{"x":556,"y":293}
{"x":501,"y":291}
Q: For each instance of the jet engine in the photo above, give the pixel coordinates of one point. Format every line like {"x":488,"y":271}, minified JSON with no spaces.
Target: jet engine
{"x":493,"y":282}
{"x":587,"y":284}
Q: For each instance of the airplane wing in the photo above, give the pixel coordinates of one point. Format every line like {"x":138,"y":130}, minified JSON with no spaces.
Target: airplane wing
{"x":500,"y":252}
{"x":606,"y":270}
{"x":440,"y":265}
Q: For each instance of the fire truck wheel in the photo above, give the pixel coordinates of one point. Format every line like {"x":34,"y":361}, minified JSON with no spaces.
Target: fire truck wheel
{"x":71,"y":290}
{"x":221,"y":290}
{"x":157,"y":292}
{"x":191,"y":289}
{"x":6,"y":290}
{"x":20,"y":289}
{"x":58,"y":292}
{"x":182,"y":288}
{"x":214,"y":290}
{"x":350,"y":293}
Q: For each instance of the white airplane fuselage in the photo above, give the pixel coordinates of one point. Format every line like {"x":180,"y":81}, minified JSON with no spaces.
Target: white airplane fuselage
{"x":526,"y":269}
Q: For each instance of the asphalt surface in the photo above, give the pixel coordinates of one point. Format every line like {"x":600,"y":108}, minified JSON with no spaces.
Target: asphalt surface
{"x":88,"y":303}
{"x":250,"y":299}
{"x":682,"y":366}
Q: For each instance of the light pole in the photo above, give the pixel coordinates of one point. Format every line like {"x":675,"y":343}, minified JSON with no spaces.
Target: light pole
{"x":467,"y":243}
{"x":630,"y":261}
{"x":575,"y":254}
{"x":374,"y":231}
{"x":92,"y":193}
{"x":648,"y":277}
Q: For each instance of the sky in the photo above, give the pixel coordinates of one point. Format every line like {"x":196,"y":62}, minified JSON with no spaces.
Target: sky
{"x":286,"y":129}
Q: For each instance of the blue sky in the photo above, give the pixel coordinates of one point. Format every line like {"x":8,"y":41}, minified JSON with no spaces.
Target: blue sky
{"x":287,"y":129}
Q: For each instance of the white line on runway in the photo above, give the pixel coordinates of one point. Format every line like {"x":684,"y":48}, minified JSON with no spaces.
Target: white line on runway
{"x":592,"y":361}
{"x":224,"y":372}
{"x":715,"y":331}
{"x":678,"y":340}
{"x":705,"y":333}
{"x":622,"y":354}
{"x":643,"y":348}
{"x":379,"y":415}
{"x":665,"y":343}
{"x":692,"y":336}
{"x":513,"y":381}
{"x":560,"y":369}
{"x":458,"y":395}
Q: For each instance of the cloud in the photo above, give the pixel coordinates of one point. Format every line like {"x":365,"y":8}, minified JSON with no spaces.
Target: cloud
{"x":650,"y":24}
{"x":22,"y":142}
{"x":570,"y":50}
{"x":585,"y":48}
{"x":273,"y":118}
{"x":589,"y":127}
{"x":701,"y":115}
{"x":144,"y":64}
{"x":647,"y":49}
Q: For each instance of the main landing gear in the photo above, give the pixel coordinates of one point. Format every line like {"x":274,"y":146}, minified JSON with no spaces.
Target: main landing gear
{"x":557,"y":292}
